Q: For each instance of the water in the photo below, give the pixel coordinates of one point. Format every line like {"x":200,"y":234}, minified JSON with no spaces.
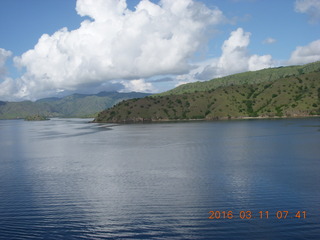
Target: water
{"x":67,"y":179}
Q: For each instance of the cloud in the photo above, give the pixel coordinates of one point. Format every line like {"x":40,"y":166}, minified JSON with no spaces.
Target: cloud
{"x":138,"y":85}
{"x":310,"y":7}
{"x":6,"y":84}
{"x":269,"y":41}
{"x":306,"y":54}
{"x":4,"y":55}
{"x":6,"y":87}
{"x":235,"y":58}
{"x":116,"y":43}
{"x":162,"y":79}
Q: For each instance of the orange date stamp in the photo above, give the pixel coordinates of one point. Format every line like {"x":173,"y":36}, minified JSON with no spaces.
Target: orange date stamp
{"x":281,"y":214}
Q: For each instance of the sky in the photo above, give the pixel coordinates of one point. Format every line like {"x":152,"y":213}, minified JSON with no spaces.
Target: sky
{"x":59,"y":47}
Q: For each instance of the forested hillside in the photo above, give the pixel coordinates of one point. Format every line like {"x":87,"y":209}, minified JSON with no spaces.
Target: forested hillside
{"x":280,"y":92}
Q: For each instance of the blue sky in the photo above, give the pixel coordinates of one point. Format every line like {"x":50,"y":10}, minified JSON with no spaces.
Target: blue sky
{"x":57,"y":47}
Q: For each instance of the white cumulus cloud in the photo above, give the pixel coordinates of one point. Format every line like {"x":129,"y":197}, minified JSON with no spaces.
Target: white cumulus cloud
{"x":310,"y":7}
{"x":269,"y":40}
{"x":306,"y":54}
{"x":4,"y":55}
{"x":235,"y":58}
{"x":116,"y":43}
{"x":138,"y":85}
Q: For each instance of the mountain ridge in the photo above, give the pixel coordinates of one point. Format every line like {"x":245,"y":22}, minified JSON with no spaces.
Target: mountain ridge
{"x":249,"y":77}
{"x":74,"y":105}
{"x":297,"y":93}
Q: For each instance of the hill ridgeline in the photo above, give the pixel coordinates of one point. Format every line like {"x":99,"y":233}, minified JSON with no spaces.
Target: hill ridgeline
{"x":292,"y":91}
{"x":75,"y":105}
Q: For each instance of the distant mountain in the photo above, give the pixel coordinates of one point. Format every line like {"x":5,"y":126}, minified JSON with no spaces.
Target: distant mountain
{"x":75,"y":105}
{"x":278,"y":92}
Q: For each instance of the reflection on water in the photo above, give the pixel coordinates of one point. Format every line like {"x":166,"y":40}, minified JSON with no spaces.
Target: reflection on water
{"x":68,"y":179}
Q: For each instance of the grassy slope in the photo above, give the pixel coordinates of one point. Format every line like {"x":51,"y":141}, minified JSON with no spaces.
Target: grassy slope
{"x":288,"y":96}
{"x":264,"y":75}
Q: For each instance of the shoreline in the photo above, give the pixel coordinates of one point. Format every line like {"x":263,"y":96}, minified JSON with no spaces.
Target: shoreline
{"x":141,"y":120}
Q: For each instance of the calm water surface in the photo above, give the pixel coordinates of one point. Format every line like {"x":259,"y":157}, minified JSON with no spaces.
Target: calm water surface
{"x":67,"y":179}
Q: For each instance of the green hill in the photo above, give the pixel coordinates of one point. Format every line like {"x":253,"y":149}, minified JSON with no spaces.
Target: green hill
{"x":76,"y":105}
{"x":260,"y":76}
{"x":279,"y":92}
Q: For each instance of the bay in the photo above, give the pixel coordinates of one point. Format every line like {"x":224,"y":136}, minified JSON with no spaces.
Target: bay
{"x":70,"y":179}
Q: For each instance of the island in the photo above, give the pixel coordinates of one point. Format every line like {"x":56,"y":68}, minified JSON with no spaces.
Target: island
{"x":36,"y":118}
